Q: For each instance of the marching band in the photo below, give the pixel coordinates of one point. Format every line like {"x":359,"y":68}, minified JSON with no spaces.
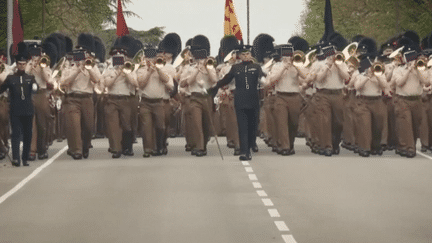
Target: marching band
{"x":336,"y":93}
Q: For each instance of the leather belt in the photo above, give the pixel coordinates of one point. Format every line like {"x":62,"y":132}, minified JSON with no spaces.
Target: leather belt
{"x":79,"y":95}
{"x":369,"y":97}
{"x":201,"y":95}
{"x":330,"y":91}
{"x":410,"y":97}
{"x":118,"y":97}
{"x":288,"y":93}
{"x":149,"y":100}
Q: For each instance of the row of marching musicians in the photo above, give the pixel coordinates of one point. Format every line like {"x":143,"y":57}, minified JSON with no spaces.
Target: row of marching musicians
{"x":350,"y":95}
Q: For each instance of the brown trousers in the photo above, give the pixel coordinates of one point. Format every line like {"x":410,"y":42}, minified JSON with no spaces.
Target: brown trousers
{"x":228,"y":111}
{"x":371,"y":117}
{"x":187,"y":120}
{"x":312,"y":121}
{"x":201,"y":118}
{"x":152,"y":117}
{"x":349,"y":125}
{"x":117,"y":111}
{"x":392,"y":135}
{"x":428,"y":110}
{"x":4,"y":124}
{"x":79,"y":121}
{"x":409,"y":114}
{"x":287,"y":106}
{"x":270,"y":120}
{"x":330,"y":106}
{"x":41,"y":121}
{"x":424,"y":127}
{"x":168,"y":109}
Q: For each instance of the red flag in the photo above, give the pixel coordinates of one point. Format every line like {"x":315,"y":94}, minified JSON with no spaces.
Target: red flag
{"x":232,"y":26}
{"x":122,"y":28}
{"x":17,"y":29}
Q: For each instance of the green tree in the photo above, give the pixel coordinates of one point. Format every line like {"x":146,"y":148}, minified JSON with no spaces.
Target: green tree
{"x":379,"y":19}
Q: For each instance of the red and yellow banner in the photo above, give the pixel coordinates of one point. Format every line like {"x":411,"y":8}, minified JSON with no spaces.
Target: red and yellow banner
{"x":231,"y":26}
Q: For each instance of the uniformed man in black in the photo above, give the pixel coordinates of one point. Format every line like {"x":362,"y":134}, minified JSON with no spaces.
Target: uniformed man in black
{"x":20,"y":86}
{"x":246,"y":99}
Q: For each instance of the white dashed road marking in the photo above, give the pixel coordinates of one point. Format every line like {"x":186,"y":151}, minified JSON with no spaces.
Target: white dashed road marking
{"x":288,"y":239}
{"x":274,"y":213}
{"x":32,"y":175}
{"x":281,"y":226}
{"x":267,"y":202}
{"x":261,"y":193}
{"x":257,"y":185}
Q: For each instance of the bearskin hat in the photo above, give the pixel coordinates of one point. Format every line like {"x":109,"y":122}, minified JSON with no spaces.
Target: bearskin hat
{"x":367,"y":46}
{"x":413,"y":36}
{"x":338,"y":41}
{"x":262,"y":46}
{"x":201,"y":42}
{"x":171,"y":43}
{"x":299,"y":44}
{"x":51,"y":50}
{"x":228,"y":44}
{"x":86,"y":42}
{"x":100,"y":50}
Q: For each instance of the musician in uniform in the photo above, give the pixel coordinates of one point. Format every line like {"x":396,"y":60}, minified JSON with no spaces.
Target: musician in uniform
{"x":409,"y":82}
{"x":247,"y":76}
{"x":330,"y":81}
{"x":227,"y":110}
{"x":120,"y":81}
{"x":20,"y":86}
{"x":169,"y":47}
{"x":287,"y":79}
{"x":79,"y":80}
{"x":199,"y":78}
{"x":371,"y":111}
{"x":153,"y":83}
{"x":5,"y":71}
{"x":40,"y":67}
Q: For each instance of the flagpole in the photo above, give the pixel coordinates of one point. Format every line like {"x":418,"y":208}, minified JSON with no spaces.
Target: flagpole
{"x":248,"y":22}
{"x":9,"y":28}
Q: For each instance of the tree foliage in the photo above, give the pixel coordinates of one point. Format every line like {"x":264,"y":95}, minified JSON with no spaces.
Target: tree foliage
{"x":70,"y":17}
{"x":379,"y":19}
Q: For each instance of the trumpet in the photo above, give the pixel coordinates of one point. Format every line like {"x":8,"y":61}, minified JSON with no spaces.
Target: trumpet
{"x":44,"y":61}
{"x":128,"y":67}
{"x":210,"y":63}
{"x":378,"y":68}
{"x":339,"y":58}
{"x":89,"y":63}
{"x":2,"y":67}
{"x":299,"y":58}
{"x":421,"y":63}
{"x":160,"y":62}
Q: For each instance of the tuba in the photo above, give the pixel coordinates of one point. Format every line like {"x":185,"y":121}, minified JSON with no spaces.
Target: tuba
{"x":299,"y":58}
{"x":309,"y":58}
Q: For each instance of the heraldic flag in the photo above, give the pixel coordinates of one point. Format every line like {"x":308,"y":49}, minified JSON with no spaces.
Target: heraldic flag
{"x":231,"y":26}
{"x":122,"y":28}
{"x":17,"y":27}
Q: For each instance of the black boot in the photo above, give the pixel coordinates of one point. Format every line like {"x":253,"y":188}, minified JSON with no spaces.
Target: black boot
{"x":127,"y":143}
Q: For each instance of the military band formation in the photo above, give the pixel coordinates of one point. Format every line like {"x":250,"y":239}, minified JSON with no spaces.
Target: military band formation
{"x":355,"y":94}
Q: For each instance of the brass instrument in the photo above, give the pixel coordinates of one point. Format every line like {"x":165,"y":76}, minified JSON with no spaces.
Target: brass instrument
{"x":378,"y":68}
{"x":429,"y":63}
{"x":353,"y":61}
{"x":128,"y":67}
{"x":44,"y":61}
{"x":89,"y":63}
{"x":210,"y":63}
{"x":421,"y":63}
{"x":339,"y":58}
{"x":2,"y":67}
{"x":309,"y":58}
{"x":299,"y":58}
{"x":160,"y":62}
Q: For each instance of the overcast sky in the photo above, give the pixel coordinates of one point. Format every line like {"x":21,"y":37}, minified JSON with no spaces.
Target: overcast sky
{"x":189,"y":18}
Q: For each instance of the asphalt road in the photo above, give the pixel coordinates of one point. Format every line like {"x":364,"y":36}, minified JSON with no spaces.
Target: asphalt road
{"x":303,"y":198}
